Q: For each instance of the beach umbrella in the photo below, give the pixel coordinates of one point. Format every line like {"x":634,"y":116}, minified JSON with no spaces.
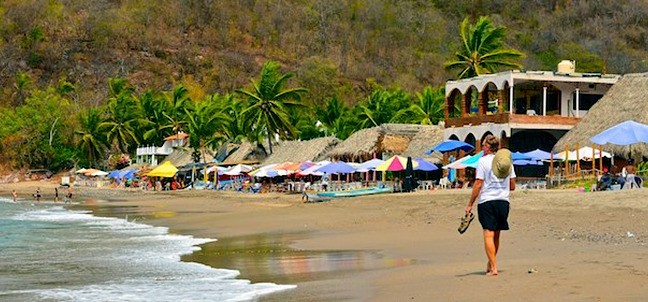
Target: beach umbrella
{"x":539,"y":154}
{"x":98,"y":173}
{"x":313,"y":169}
{"x":167,"y":169}
{"x":468,"y":161}
{"x":394,"y":163}
{"x":408,"y":182}
{"x":520,"y":156}
{"x":525,"y":162}
{"x":424,"y":165}
{"x":623,"y":134}
{"x":305,"y":165}
{"x":237,"y":170}
{"x":336,"y":167}
{"x":451,"y":145}
{"x":369,"y":165}
{"x":114,"y":174}
{"x":585,"y":153}
{"x":128,"y":174}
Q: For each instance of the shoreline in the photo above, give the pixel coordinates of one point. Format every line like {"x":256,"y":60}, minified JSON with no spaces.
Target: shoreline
{"x":583,"y":246}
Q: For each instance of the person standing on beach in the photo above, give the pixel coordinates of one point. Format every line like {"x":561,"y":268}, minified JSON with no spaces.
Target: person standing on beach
{"x":495,"y":178}
{"x":14,"y":195}
{"x":68,"y":195}
{"x":38,"y":194}
{"x":56,"y":194}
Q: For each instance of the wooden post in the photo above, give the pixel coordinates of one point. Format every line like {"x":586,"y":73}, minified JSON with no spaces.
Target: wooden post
{"x":578,"y":158}
{"x":551,"y":167}
{"x":593,"y":160}
{"x":566,"y":160}
{"x":601,"y":158}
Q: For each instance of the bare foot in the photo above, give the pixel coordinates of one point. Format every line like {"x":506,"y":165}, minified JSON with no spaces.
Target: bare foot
{"x":492,"y":273}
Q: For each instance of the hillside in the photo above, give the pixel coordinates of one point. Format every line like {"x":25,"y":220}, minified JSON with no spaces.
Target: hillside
{"x":333,"y":47}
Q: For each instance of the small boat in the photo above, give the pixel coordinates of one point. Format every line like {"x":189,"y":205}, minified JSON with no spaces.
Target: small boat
{"x":328,"y":195}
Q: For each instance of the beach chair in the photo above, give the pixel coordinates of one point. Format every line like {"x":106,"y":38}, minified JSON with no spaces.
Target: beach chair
{"x":444,"y":183}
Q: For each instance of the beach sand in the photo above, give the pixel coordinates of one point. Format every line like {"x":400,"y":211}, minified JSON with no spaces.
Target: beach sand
{"x":563,"y":245}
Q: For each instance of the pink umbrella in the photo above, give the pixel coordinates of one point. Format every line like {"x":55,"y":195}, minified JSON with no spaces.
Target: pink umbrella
{"x":395,"y":163}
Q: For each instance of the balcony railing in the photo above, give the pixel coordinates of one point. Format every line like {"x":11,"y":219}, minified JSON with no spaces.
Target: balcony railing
{"x":153,"y":150}
{"x":504,"y":118}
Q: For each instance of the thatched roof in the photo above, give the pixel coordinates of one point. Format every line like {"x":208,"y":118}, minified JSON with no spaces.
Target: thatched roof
{"x":626,"y":100}
{"x":298,"y":151}
{"x":247,"y":153}
{"x":390,"y":138}
{"x":424,"y":140}
{"x":359,"y":144}
{"x":182,"y":156}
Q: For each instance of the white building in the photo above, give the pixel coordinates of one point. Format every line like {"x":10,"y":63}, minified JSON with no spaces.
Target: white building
{"x":152,"y":154}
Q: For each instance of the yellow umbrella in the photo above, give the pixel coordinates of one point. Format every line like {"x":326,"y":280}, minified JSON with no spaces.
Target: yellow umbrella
{"x":395,"y":163}
{"x":167,"y":169}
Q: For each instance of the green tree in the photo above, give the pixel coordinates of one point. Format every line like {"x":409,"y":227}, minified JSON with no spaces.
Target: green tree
{"x":427,"y":111}
{"x":381,"y":107}
{"x":175,"y":115}
{"x":205,"y":126}
{"x":122,"y":115}
{"x":153,"y":120}
{"x":268,"y":102}
{"x":21,"y":86}
{"x":482,"y":50}
{"x":91,"y":136}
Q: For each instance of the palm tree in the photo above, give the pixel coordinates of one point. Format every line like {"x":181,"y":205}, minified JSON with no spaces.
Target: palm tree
{"x":122,"y":115}
{"x":428,"y":110}
{"x":152,"y":108}
{"x":332,"y":111}
{"x":21,"y":86}
{"x":178,"y":102}
{"x":206,"y":126}
{"x":92,"y":138}
{"x":268,"y":102}
{"x":482,"y":50}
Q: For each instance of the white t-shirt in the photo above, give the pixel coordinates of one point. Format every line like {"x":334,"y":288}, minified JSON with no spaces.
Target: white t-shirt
{"x":493,"y":188}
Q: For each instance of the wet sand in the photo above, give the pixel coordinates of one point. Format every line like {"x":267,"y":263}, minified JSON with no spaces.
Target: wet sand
{"x":397,"y":247}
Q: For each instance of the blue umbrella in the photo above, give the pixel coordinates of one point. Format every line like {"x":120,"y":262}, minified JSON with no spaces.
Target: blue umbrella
{"x":128,"y":174}
{"x":524,"y":162}
{"x":424,"y":165}
{"x":369,"y":165}
{"x":113,"y":174}
{"x":626,"y":133}
{"x":336,"y":167}
{"x":520,"y":156}
{"x":451,"y":145}
{"x":539,"y":154}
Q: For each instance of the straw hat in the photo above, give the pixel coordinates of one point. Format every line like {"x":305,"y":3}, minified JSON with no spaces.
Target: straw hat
{"x":502,"y":163}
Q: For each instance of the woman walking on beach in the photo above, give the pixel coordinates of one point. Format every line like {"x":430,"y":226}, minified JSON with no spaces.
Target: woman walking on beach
{"x":495,"y":178}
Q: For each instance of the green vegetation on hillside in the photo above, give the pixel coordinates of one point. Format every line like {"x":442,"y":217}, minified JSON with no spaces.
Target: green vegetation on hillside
{"x":80,"y":81}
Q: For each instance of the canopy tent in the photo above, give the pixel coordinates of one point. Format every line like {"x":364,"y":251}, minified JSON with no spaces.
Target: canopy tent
{"x":520,"y":156}
{"x":369,"y":165}
{"x":451,"y":145}
{"x":424,"y":165}
{"x":395,"y":163}
{"x":167,"y":169}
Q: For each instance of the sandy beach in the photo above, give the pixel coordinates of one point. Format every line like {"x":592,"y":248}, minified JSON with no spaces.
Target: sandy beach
{"x":563,"y":245}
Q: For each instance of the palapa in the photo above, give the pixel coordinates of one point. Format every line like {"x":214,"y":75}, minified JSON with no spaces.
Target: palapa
{"x":626,"y":100}
{"x":300,"y":151}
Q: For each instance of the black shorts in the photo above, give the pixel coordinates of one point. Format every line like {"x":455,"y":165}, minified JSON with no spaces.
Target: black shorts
{"x":493,"y":215}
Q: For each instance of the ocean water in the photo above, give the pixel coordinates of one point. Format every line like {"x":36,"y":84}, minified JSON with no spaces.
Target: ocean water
{"x":49,"y":253}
